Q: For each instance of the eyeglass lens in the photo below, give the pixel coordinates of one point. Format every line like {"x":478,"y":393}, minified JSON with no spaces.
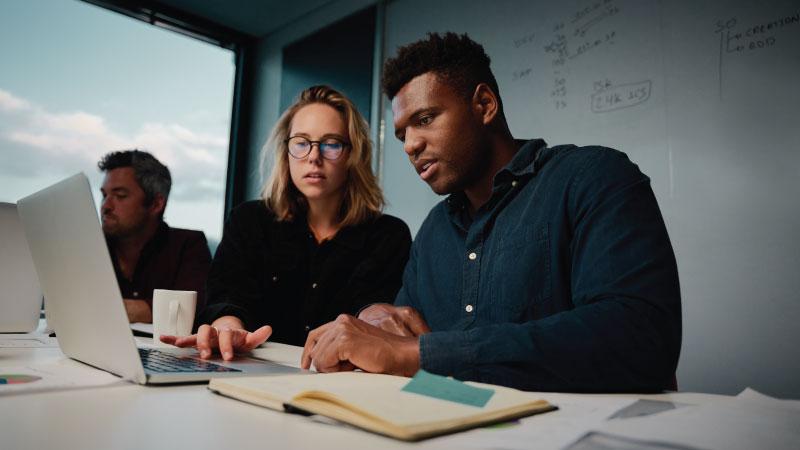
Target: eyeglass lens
{"x":330,"y":148}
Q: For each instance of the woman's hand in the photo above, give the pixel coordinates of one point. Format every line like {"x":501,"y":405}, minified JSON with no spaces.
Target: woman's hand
{"x":226,"y":334}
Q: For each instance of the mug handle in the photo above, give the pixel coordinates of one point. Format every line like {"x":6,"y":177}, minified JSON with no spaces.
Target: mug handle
{"x":174,"y":307}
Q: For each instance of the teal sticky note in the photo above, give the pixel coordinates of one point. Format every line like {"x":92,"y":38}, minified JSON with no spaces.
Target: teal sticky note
{"x":445,"y":388}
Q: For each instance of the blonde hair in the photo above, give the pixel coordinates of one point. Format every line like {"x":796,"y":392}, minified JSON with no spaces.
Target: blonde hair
{"x":362,"y":198}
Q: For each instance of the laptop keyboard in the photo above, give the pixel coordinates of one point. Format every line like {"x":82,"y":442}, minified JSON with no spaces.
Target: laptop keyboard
{"x":163,"y":362}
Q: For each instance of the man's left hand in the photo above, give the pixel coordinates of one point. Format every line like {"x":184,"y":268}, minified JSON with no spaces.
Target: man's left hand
{"x":348,"y":343}
{"x":402,"y":320}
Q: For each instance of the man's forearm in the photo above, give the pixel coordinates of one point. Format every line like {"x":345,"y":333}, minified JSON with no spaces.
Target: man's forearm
{"x":138,"y":311}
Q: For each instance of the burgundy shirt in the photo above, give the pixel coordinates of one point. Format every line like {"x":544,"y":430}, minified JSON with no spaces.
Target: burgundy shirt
{"x":173,"y":259}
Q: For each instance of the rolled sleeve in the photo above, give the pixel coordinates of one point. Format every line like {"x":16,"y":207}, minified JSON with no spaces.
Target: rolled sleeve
{"x":447,"y":352}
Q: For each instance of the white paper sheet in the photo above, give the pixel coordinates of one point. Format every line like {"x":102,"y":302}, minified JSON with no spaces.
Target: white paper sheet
{"x":577,"y":414}
{"x":755,"y":397}
{"x":600,"y":441}
{"x":753,"y":421}
{"x":59,"y":375}
{"x":646,"y":407}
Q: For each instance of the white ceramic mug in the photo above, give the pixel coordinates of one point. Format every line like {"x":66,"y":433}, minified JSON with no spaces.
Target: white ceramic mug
{"x":173,"y":313}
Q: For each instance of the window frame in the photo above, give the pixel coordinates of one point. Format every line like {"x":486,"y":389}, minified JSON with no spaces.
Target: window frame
{"x":241,"y":44}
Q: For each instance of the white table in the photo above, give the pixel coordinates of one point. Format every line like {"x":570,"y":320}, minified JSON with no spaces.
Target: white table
{"x":137,"y":417}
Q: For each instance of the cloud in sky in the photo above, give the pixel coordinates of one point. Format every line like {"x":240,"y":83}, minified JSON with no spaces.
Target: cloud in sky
{"x":10,"y":103}
{"x":36,"y":142}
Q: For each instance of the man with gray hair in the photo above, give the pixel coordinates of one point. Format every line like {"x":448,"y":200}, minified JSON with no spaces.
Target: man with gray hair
{"x":147,"y":254}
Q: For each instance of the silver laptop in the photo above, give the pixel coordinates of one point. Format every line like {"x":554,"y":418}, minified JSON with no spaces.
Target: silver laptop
{"x":20,"y":295}
{"x":81,"y":292}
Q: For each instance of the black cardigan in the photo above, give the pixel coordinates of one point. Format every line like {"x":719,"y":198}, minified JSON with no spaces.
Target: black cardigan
{"x":268,"y":272}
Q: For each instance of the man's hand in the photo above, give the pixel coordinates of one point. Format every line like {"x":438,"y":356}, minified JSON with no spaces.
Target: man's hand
{"x":349,"y":343}
{"x":226,"y":334}
{"x":402,"y":320}
{"x":138,"y":311}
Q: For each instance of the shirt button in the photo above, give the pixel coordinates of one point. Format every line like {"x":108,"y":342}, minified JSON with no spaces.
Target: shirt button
{"x":313,"y":285}
{"x":472,"y":256}
{"x":514,"y":183}
{"x":274,"y":279}
{"x":468,"y":308}
{"x":135,"y":294}
{"x":307,"y":328}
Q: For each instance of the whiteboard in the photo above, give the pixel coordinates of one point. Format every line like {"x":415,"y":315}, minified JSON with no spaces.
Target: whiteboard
{"x":704,"y":97}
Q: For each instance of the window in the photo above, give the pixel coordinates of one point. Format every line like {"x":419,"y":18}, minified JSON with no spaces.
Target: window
{"x":79,"y":81}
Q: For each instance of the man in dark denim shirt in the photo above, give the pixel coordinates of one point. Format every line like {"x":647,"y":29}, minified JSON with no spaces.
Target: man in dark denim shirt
{"x":545,"y":269}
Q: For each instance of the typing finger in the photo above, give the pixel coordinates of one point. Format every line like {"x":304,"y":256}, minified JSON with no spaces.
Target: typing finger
{"x":311,"y":342}
{"x":256,"y":338}
{"x":206,"y":336}
{"x":326,"y":353}
{"x":183,"y":341}
{"x":226,"y":343}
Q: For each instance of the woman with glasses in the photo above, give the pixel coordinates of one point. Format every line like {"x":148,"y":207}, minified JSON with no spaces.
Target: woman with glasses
{"x":314,"y":246}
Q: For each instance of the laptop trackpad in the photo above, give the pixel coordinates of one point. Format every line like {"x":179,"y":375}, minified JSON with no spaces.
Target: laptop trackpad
{"x":244,"y":363}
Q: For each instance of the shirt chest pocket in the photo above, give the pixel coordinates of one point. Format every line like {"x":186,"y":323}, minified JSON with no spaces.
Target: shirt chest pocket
{"x":521,"y":280}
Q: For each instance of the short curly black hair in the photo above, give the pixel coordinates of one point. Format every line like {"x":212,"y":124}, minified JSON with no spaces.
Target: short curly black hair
{"x":456,"y":59}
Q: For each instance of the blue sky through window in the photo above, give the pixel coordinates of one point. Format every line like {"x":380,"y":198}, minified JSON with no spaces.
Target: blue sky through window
{"x":78,"y":81}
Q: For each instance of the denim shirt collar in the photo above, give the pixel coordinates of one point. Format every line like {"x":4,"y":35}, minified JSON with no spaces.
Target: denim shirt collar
{"x":525,"y":163}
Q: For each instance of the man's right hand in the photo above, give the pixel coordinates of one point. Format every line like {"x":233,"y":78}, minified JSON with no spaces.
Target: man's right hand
{"x":226,"y":334}
{"x":401,"y":320}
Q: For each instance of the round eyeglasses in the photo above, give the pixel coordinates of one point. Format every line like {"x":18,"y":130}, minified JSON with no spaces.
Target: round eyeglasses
{"x":329,"y":148}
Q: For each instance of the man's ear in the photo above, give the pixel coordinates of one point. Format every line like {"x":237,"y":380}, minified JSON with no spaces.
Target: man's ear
{"x":484,"y":103}
{"x":159,"y":204}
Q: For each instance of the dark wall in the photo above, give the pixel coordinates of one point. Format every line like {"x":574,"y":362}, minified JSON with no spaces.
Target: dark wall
{"x":339,"y":55}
